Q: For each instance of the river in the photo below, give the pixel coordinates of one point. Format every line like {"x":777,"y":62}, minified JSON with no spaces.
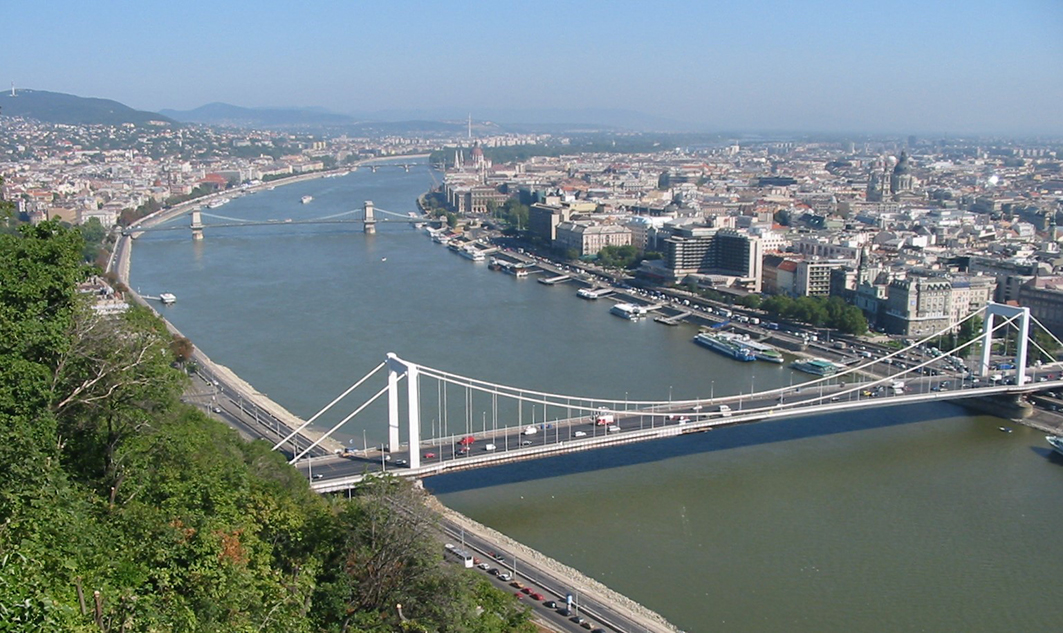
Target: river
{"x":909,"y":518}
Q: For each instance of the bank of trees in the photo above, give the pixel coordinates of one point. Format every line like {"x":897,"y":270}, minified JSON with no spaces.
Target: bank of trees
{"x":818,"y":311}
{"x":122,"y":509}
{"x":512,"y":214}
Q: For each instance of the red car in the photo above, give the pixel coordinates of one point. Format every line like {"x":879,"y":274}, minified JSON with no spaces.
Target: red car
{"x":429,"y":455}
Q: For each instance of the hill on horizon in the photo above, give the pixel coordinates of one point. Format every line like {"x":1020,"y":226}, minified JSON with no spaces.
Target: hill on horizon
{"x":58,"y":107}
{"x":238,"y":116}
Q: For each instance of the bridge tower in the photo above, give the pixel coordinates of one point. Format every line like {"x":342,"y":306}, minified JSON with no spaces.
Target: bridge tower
{"x":993,"y":310}
{"x":370,"y":221}
{"x":396,"y":368}
{"x":197,"y":225}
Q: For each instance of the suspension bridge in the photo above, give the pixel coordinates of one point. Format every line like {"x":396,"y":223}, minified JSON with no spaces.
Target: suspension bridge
{"x":366,"y":217}
{"x":520,"y":424}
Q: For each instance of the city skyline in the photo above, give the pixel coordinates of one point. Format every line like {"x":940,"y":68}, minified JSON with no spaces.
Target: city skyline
{"x":828,"y":66}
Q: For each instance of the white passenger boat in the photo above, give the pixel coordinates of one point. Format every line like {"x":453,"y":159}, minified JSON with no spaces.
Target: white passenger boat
{"x":473,"y":253}
{"x":628,"y":311}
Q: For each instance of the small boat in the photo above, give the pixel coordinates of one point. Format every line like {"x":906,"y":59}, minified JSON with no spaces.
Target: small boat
{"x":383,"y":259}
{"x":816,"y":366}
{"x":306,"y":199}
{"x":1056,"y":442}
{"x":167,"y":298}
{"x":1005,"y":429}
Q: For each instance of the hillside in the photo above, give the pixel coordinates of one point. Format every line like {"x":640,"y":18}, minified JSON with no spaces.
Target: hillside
{"x":238,"y":116}
{"x":124,"y":509}
{"x":58,"y":107}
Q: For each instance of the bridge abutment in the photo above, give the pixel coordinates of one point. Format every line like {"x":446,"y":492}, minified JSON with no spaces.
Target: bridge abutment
{"x":1008,"y":406}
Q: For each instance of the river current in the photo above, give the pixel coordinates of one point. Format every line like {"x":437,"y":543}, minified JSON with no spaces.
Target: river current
{"x":907,"y":518}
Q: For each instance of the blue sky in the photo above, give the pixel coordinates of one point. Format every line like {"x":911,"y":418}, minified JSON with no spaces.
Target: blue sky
{"x":956,"y":66}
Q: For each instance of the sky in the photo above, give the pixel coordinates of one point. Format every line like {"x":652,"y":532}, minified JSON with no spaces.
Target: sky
{"x":895,"y":66}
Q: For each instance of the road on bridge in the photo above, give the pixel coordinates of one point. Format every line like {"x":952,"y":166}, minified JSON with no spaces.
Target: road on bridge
{"x":515,"y":443}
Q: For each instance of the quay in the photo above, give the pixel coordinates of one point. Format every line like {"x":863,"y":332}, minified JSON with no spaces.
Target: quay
{"x":675,"y":319}
{"x":554,"y":280}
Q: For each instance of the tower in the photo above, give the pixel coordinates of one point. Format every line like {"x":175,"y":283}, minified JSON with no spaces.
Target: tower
{"x":197,"y":225}
{"x":370,"y":221}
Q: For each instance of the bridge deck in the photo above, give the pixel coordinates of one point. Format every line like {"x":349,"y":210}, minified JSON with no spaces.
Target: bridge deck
{"x":685,"y":422}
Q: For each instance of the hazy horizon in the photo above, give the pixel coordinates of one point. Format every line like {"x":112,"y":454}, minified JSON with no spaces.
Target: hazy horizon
{"x":823,"y":66}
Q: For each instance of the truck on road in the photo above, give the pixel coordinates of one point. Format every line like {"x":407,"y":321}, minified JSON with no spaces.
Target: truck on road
{"x":603,"y":417}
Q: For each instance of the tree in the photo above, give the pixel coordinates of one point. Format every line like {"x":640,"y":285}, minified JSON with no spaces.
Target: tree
{"x":750,"y":301}
{"x":39,"y":269}
{"x":618,"y":256}
{"x":182,"y":349}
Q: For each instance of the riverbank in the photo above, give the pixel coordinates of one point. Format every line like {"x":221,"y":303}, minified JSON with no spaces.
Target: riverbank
{"x":285,"y":421}
{"x":560,"y":574}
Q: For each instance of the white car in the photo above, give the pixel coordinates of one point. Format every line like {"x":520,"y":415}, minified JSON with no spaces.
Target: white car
{"x":579,"y":434}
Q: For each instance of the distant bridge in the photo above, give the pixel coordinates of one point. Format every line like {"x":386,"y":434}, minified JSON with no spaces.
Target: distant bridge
{"x":368,"y":221}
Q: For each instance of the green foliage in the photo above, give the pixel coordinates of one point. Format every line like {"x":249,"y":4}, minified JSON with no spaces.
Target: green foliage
{"x":110,"y":484}
{"x":513,"y":214}
{"x":818,"y":311}
{"x":1047,"y":343}
{"x":619,"y":257}
{"x":968,"y":330}
{"x":750,"y":301}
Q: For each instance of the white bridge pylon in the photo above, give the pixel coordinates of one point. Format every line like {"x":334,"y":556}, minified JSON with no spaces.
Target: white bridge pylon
{"x":849,"y":383}
{"x":993,"y":310}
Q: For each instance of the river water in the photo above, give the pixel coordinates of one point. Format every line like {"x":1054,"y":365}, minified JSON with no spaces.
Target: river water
{"x":907,"y":518}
